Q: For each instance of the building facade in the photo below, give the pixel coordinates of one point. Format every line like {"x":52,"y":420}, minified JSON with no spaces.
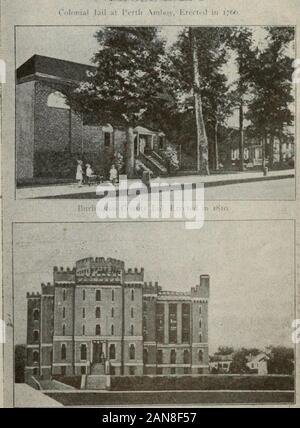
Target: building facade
{"x":100,"y":318}
{"x":50,"y":136}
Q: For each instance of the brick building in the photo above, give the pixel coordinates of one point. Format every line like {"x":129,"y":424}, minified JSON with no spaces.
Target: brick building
{"x":50,"y":136}
{"x":101,"y":318}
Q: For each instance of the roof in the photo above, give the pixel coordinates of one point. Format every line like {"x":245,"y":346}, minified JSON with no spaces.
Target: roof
{"x":46,"y":65}
{"x":257,"y":358}
{"x":144,"y":131}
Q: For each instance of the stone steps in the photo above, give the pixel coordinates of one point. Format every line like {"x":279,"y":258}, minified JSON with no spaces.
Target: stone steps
{"x":97,"y":382}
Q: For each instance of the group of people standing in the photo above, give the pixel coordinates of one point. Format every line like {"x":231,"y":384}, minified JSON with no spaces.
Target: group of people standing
{"x":89,"y":176}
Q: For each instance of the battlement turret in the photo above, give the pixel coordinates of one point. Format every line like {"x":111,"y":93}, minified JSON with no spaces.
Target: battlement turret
{"x":47,"y":289}
{"x":63,"y":275}
{"x":202,"y":289}
{"x":92,"y":265}
{"x":134,"y":275}
{"x":33,"y":295}
{"x":150,"y":288}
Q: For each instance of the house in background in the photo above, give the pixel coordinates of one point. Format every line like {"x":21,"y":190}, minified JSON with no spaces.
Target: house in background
{"x":258,"y":364}
{"x":220,"y":363}
{"x":50,"y":136}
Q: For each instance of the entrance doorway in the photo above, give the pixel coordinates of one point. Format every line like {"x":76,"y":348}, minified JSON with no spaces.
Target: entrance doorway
{"x":98,"y":356}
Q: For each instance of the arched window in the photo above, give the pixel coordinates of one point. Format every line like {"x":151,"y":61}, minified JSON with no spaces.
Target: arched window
{"x":145,"y":356}
{"x":83,"y":312}
{"x":132,"y":313}
{"x":83,"y":330}
{"x":98,"y":295}
{"x":63,"y":352}
{"x":57,"y":100}
{"x":36,"y":335}
{"x":132,"y":330}
{"x":63,"y":330}
{"x":173,"y":356}
{"x":200,"y":356}
{"x":35,"y":356}
{"x":64,"y":294}
{"x":112,"y":295}
{"x":36,"y":315}
{"x":186,"y":356}
{"x":83,"y":294}
{"x":132,"y":295}
{"x":97,"y":312}
{"x":112,"y":351}
{"x":98,"y":330}
{"x":112,"y":312}
{"x":159,"y":356}
{"x":200,"y":337}
{"x":83,"y":351}
{"x":131,"y":352}
{"x":200,"y":323}
{"x":64,"y":312}
{"x":200,"y":309}
{"x":112,"y":330}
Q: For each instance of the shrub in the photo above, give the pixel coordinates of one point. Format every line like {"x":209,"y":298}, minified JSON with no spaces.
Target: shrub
{"x":202,"y":382}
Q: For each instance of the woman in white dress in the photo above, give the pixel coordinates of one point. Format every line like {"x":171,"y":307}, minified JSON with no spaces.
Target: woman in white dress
{"x":79,"y":173}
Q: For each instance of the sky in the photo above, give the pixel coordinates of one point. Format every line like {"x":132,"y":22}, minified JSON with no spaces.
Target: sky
{"x":250,"y":263}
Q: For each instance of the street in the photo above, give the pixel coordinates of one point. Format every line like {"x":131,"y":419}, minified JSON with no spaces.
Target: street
{"x":271,"y":190}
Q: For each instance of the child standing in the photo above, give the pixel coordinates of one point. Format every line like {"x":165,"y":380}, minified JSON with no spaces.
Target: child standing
{"x":79,"y":173}
{"x":113,"y":174}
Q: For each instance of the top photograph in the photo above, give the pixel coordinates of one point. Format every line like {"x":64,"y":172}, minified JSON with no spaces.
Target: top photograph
{"x":171,"y":105}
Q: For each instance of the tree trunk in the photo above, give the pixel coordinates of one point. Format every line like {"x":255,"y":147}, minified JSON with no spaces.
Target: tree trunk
{"x":202,"y":143}
{"x":216,"y":161}
{"x":130,"y":152}
{"x":280,"y":152}
{"x":271,"y":153}
{"x":241,"y":141}
{"x":264,"y":144}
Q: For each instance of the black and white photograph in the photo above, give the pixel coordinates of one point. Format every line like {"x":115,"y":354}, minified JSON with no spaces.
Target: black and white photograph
{"x":212,"y":105}
{"x":105,"y":317}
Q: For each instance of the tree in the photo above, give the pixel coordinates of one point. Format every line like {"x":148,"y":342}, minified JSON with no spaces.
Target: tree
{"x":225,"y":350}
{"x":127,"y":83}
{"x":281,"y":360}
{"x":269,"y":108}
{"x":198,"y":82}
{"x":239,"y":360}
{"x":20,"y":363}
{"x":241,"y":41}
{"x":202,"y":143}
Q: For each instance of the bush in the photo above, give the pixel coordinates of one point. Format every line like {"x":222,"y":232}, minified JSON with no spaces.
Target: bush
{"x":171,"y":159}
{"x":202,"y":382}
{"x":63,"y":164}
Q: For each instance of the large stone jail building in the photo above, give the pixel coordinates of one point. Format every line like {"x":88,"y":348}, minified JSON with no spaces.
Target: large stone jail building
{"x":50,"y":135}
{"x":102,"y":318}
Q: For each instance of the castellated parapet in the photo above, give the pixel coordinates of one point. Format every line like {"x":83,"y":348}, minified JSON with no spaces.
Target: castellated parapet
{"x":47,"y":289}
{"x":33,"y":295}
{"x":63,"y":275}
{"x":92,"y":265}
{"x":151,"y":288}
{"x":134,"y":275}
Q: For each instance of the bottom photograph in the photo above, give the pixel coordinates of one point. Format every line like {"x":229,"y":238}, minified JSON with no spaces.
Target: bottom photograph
{"x":153,"y":314}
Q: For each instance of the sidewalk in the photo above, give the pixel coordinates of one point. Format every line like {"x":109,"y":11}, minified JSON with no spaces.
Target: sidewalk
{"x":68,"y":190}
{"x":25,"y":396}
